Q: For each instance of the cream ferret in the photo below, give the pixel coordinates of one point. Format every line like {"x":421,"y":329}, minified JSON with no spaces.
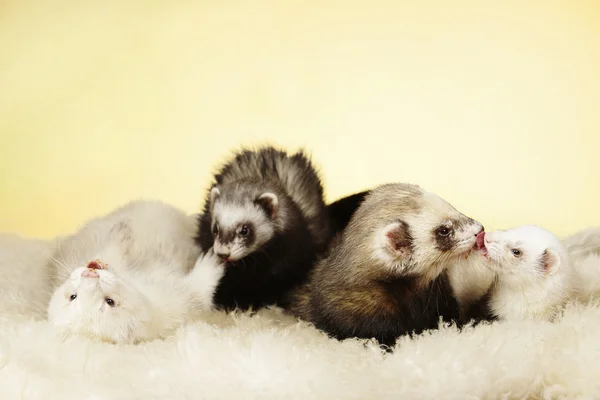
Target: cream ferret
{"x":107,"y":302}
{"x":132,"y":275}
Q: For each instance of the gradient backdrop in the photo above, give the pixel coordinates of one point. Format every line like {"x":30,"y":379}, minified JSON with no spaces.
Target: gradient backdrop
{"x":493,"y":105}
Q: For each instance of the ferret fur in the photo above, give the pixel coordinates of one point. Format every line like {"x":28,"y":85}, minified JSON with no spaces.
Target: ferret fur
{"x":26,"y":281}
{"x":280,"y":198}
{"x":341,"y":210}
{"x":385,"y":276}
{"x":151,"y":232}
{"x":468,"y":277}
{"x":587,"y":278}
{"x":471,"y":278}
{"x":150,"y":253}
{"x":533,"y":276}
{"x":144,"y":305}
{"x":583,"y":243}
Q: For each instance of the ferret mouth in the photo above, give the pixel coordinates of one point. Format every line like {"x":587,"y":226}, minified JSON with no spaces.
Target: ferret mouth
{"x":480,"y":244}
{"x":228,"y":259}
{"x":231,"y":259}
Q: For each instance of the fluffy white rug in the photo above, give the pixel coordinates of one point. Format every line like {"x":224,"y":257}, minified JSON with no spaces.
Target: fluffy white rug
{"x":272,"y":356}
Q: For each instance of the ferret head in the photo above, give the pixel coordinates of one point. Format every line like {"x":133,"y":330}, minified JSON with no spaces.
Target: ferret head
{"x":95,"y":302}
{"x":526,"y":254}
{"x":244,"y":218}
{"x":412,"y":231}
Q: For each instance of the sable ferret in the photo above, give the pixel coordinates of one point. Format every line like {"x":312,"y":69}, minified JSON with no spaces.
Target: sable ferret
{"x":266,"y":218}
{"x":341,"y":210}
{"x":384,"y":276}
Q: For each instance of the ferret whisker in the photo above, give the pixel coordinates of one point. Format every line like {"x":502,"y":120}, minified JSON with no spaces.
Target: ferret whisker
{"x":136,"y":261}
{"x":58,"y":263}
{"x":60,"y":252}
{"x":62,"y":270}
{"x":431,"y":289}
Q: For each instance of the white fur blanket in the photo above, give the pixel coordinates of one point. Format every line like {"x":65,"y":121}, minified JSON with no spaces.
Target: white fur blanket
{"x":273,"y":356}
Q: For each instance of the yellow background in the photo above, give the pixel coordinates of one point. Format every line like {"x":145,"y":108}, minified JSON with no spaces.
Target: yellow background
{"x":493,"y":105}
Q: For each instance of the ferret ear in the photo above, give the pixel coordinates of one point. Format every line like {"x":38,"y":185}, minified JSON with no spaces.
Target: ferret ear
{"x":214,"y":194}
{"x":269,"y":202}
{"x":397,"y":238}
{"x":550,"y":261}
{"x":122,"y":231}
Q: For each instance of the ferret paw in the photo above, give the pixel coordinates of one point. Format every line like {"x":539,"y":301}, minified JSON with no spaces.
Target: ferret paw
{"x":205,"y":276}
{"x":210,"y":260}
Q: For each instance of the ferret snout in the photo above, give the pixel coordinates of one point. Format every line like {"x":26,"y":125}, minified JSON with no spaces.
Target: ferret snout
{"x":480,"y":230}
{"x":222,"y":251}
{"x":472,"y":232}
{"x":476,"y":227}
{"x":96,"y":264}
{"x":89,"y":273}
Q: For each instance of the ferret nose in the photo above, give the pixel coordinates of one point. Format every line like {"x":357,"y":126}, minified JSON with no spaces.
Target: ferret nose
{"x":90,"y":273}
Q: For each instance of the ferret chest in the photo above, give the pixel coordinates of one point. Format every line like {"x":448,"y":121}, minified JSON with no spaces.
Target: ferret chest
{"x":524,"y":304}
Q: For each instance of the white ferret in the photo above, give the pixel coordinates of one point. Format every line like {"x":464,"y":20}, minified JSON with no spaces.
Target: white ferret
{"x":472,"y":277}
{"x":133,"y":275}
{"x":584,"y":251}
{"x":25,"y":284}
{"x":121,"y":305}
{"x":149,"y":232}
{"x":534,"y":277}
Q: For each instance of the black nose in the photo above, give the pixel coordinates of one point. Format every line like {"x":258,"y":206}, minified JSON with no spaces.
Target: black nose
{"x":223,"y":256}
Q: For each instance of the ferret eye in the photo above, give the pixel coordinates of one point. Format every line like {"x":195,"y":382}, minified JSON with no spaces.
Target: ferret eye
{"x":73,"y":297}
{"x":245,"y":230}
{"x":110,"y":302}
{"x":516,"y":252}
{"x":444,"y":231}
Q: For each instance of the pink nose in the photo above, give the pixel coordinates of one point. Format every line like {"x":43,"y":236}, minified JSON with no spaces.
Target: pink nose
{"x":96,"y":264}
{"x":89,"y":273}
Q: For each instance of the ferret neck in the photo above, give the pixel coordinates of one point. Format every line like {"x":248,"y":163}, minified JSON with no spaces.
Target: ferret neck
{"x":526,"y":300}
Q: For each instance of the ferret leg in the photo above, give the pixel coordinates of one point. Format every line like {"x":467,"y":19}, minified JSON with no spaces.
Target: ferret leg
{"x":205,"y":276}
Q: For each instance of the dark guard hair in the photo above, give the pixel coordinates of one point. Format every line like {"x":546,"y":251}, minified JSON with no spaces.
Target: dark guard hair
{"x":341,"y":210}
{"x":480,"y":310}
{"x":299,"y":226}
{"x":388,"y":309}
{"x":262,"y":278}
